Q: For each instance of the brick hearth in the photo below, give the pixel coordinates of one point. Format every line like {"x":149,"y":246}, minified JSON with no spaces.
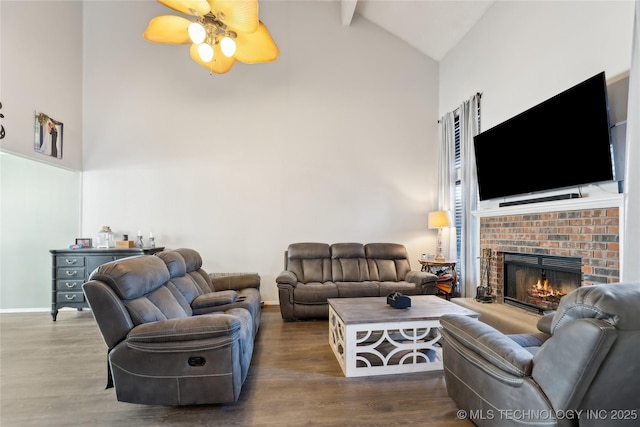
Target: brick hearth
{"x":591,"y":234}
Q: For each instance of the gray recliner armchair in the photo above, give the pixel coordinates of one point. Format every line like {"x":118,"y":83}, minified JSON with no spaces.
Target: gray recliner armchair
{"x":581,"y":369}
{"x":172,"y":338}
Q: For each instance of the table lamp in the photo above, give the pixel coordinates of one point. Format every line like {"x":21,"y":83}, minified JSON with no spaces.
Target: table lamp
{"x":440,"y":220}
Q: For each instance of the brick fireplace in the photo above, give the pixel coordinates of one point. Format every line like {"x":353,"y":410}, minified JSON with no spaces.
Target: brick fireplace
{"x":590,"y":234}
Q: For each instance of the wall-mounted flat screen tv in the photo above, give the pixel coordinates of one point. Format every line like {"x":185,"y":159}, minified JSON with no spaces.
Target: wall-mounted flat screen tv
{"x":562,"y":142}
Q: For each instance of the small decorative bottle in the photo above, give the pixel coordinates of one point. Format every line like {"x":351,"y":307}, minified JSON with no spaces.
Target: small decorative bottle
{"x":139,"y":243}
{"x":152,"y":241}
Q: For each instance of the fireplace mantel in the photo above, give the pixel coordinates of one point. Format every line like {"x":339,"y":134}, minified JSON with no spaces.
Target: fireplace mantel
{"x":590,"y":202}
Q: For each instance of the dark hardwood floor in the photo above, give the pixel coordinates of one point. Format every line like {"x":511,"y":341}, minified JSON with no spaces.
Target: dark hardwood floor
{"x":54,"y":374}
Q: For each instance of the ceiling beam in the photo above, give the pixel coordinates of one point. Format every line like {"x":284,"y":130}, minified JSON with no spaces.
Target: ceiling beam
{"x":348,"y":8}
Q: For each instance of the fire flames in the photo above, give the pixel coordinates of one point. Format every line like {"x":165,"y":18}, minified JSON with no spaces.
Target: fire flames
{"x":542,"y":293}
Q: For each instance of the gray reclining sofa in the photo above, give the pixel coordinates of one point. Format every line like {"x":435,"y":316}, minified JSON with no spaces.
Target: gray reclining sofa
{"x":175,"y":334}
{"x":314,"y":272}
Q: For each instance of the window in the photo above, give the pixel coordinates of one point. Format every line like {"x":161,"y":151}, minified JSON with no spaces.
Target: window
{"x":458,"y":193}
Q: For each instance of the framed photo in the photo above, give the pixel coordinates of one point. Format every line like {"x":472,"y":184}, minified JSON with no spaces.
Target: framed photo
{"x":48,"y":135}
{"x":86,"y":243}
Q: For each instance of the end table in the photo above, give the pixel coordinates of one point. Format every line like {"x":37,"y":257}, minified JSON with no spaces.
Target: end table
{"x":447,"y":276}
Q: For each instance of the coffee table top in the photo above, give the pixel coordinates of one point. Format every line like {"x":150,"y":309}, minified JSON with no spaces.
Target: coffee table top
{"x":376,"y":309}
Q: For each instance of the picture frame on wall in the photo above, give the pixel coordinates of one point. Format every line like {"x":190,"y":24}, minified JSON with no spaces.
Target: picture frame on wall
{"x":48,"y":135}
{"x":84,"y":242}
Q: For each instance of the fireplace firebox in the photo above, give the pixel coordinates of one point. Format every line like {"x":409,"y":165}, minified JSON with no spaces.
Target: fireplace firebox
{"x":537,"y":282}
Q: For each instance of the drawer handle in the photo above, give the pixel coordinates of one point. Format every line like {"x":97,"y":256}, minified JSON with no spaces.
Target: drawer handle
{"x":72,"y":273}
{"x":70,"y":297}
{"x":71,"y":261}
{"x":70,"y":285}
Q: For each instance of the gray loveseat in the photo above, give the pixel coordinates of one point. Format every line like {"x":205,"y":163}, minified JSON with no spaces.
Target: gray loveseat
{"x":581,"y":369}
{"x":175,"y":334}
{"x":315,"y":272}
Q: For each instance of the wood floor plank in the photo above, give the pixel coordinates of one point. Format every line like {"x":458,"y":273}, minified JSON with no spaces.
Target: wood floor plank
{"x":54,"y":374}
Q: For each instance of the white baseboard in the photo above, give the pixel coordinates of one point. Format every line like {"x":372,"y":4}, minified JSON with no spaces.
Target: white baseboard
{"x":24,"y":310}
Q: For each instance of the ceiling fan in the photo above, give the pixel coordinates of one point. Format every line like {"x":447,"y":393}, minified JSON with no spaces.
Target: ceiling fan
{"x":223,"y":32}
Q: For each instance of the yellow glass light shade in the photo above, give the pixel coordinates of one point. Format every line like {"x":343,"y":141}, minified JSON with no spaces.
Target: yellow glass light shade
{"x":241,"y":15}
{"x":220,"y":63}
{"x":201,"y":7}
{"x":440,"y":219}
{"x":256,"y":47}
{"x":253,"y":42}
{"x":168,"y":29}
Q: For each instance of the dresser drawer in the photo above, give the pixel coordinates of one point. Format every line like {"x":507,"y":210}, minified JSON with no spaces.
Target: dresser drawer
{"x":70,"y":261}
{"x":70,"y":297}
{"x":69,"y":285}
{"x":70,"y":273}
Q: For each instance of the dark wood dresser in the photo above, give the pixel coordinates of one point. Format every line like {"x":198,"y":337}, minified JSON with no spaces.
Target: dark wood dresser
{"x":70,"y":268}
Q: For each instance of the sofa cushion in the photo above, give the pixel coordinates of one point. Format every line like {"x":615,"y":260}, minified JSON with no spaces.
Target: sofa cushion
{"x":184,"y":266}
{"x":347,"y":250}
{"x":348,"y":263}
{"x":310,"y":262}
{"x":357,"y":289}
{"x":387,"y":261}
{"x":134,"y":278}
{"x":193,"y":263}
{"x":315,"y":292}
{"x":160,"y":304}
{"x":407,"y":288}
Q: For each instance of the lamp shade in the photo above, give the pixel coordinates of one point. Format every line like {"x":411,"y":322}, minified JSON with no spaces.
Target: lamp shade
{"x":440,"y":219}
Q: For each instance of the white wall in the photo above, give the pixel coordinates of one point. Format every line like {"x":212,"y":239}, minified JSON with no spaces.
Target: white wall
{"x":39,"y":210}
{"x":41,"y":70}
{"x":523,"y":52}
{"x":334,"y":142}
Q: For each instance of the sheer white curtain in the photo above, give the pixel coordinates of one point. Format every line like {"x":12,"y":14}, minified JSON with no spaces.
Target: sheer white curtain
{"x":469,"y":233}
{"x":447,"y":180}
{"x":631,"y":245}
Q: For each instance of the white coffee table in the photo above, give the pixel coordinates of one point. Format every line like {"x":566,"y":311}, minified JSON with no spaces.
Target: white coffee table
{"x":369,"y":337}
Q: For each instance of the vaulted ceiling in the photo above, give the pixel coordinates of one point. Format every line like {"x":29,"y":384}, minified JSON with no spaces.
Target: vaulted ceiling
{"x":433,"y":27}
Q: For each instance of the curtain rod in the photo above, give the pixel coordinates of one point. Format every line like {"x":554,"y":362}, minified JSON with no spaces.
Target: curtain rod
{"x":478,"y":94}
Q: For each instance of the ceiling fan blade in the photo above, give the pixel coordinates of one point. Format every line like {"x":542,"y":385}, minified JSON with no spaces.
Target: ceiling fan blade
{"x":201,"y":7}
{"x":220,"y":64}
{"x":256,"y":47}
{"x":241,"y":15}
{"x":168,"y":29}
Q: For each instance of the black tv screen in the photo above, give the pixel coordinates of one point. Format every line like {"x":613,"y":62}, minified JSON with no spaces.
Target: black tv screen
{"x":562,"y":142}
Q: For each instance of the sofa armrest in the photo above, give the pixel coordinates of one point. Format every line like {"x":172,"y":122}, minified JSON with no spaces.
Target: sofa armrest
{"x":421,"y":277}
{"x":213,"y":299}
{"x":544,"y":324}
{"x":166,"y":333}
{"x":234,"y":281}
{"x":574,"y":353}
{"x":492,"y":345}
{"x":287,"y":278}
{"x":426,"y":281}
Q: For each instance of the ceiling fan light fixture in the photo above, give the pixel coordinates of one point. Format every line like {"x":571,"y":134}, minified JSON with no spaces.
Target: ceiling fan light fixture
{"x":205,"y":51}
{"x":197,"y":33}
{"x":228,"y":46}
{"x":220,"y":32}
